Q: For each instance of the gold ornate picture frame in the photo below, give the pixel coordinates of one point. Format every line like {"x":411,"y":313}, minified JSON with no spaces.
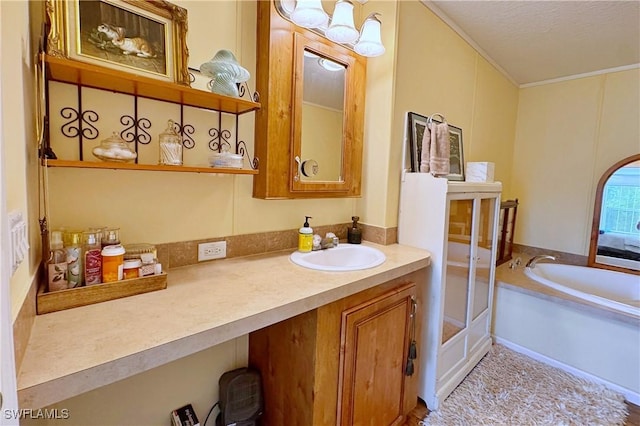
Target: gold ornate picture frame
{"x":144,"y":37}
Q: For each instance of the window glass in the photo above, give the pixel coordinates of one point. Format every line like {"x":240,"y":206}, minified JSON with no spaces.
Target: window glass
{"x":621,"y":202}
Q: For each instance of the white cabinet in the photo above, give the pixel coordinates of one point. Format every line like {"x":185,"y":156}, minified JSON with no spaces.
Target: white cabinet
{"x":457,"y":223}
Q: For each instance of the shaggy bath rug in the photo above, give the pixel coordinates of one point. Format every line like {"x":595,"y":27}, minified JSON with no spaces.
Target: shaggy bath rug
{"x":508,"y":388}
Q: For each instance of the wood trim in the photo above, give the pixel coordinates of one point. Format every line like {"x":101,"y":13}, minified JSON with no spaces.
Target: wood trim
{"x":302,"y":42}
{"x":88,"y":75}
{"x":595,"y":224}
{"x":354,"y":321}
{"x":146,"y":167}
{"x":273,"y":129}
{"x":86,"y":295}
{"x":303,"y":353}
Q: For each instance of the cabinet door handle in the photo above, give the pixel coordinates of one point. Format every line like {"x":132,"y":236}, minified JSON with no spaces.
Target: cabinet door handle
{"x":412,"y":352}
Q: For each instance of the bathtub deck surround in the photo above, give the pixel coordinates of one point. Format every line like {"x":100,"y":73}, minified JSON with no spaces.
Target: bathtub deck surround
{"x":217,"y":301}
{"x":585,"y":338}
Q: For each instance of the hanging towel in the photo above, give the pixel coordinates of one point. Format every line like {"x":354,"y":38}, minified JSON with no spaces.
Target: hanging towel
{"x":435,"y":149}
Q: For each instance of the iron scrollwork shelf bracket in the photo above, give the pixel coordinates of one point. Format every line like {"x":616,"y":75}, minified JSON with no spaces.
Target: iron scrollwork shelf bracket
{"x":136,"y":130}
{"x":80,"y":124}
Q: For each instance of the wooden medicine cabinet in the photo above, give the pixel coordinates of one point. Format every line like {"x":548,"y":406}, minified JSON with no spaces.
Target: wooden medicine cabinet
{"x":310,"y":129}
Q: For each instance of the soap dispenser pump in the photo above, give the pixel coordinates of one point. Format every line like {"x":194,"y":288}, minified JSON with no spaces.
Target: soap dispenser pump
{"x":354,"y":234}
{"x":305,"y":236}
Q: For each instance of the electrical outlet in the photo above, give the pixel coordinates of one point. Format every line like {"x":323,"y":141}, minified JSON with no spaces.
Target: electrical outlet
{"x":209,"y":251}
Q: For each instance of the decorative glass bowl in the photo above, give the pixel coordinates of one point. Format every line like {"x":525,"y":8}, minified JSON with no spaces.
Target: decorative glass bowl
{"x":226,"y":159}
{"x":114,"y":149}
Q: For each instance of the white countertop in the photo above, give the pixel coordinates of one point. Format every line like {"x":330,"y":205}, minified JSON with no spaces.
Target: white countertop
{"x":74,"y":351}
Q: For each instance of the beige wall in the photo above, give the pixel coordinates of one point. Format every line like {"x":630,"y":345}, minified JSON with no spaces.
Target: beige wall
{"x":185,"y":206}
{"x":568,"y":134}
{"x":322,"y":130}
{"x":148,"y":398}
{"x":437,"y":71}
{"x":378,"y":142}
{"x":19,"y":134}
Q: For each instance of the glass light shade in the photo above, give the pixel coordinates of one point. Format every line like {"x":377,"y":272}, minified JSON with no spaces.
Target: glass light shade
{"x":308,"y":13}
{"x":342,"y":29}
{"x":370,"y":42}
{"x":330,"y":65}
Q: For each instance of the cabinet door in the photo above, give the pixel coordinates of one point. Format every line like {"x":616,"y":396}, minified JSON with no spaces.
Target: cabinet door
{"x":457,"y":268}
{"x":373,"y":353}
{"x":484,"y":260}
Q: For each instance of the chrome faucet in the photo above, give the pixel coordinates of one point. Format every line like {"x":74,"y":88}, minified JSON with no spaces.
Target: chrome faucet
{"x":329,"y":241}
{"x":515,"y":263}
{"x":535,"y":259}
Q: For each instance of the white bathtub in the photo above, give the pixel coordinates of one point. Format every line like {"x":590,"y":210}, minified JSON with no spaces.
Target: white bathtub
{"x":587,"y":341}
{"x":612,"y":289}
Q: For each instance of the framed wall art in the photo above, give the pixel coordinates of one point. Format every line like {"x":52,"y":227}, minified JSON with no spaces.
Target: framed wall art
{"x":417,"y":124}
{"x":144,"y":37}
{"x":456,"y":159}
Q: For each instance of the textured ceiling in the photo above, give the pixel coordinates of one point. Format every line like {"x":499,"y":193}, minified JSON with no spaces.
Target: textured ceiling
{"x":533,"y":41}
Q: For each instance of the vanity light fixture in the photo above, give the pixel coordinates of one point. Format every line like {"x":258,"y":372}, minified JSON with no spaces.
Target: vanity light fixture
{"x":338,"y":28}
{"x":342,"y":29}
{"x":309,"y":13}
{"x":370,"y":42}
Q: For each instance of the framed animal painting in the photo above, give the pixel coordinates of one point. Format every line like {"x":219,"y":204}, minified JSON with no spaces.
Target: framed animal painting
{"x":145,"y":37}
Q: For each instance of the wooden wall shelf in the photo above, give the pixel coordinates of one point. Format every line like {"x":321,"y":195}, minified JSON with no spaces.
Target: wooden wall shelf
{"x":147,"y":167}
{"x":87,"y":75}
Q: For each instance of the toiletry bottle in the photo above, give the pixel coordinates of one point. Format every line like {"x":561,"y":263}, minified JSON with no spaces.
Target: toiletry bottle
{"x":92,"y":259}
{"x":305,"y":236}
{"x":57,"y":265}
{"x":75,"y":270}
{"x":110,"y":237}
{"x":112,"y":263}
{"x":354,"y":234}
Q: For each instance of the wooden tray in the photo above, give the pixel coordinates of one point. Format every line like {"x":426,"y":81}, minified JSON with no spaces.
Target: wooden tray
{"x":81,"y":296}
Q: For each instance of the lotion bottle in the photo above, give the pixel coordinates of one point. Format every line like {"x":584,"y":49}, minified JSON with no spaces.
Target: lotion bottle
{"x":354,"y":234}
{"x":305,"y":236}
{"x":92,"y":259}
{"x":57,"y":265}
{"x":75,"y":270}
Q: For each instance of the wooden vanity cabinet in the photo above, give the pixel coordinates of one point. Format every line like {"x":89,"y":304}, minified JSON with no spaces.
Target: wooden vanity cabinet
{"x":342,"y":363}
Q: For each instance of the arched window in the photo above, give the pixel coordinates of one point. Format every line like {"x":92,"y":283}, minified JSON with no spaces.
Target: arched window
{"x":615,"y":234}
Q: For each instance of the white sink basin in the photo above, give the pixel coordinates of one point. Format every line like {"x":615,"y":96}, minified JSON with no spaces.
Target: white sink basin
{"x":345,"y":257}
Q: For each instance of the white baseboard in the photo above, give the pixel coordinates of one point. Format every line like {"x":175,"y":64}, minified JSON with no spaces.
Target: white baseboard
{"x":631,"y":396}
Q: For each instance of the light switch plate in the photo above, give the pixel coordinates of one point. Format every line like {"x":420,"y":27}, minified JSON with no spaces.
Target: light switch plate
{"x":210,"y":251}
